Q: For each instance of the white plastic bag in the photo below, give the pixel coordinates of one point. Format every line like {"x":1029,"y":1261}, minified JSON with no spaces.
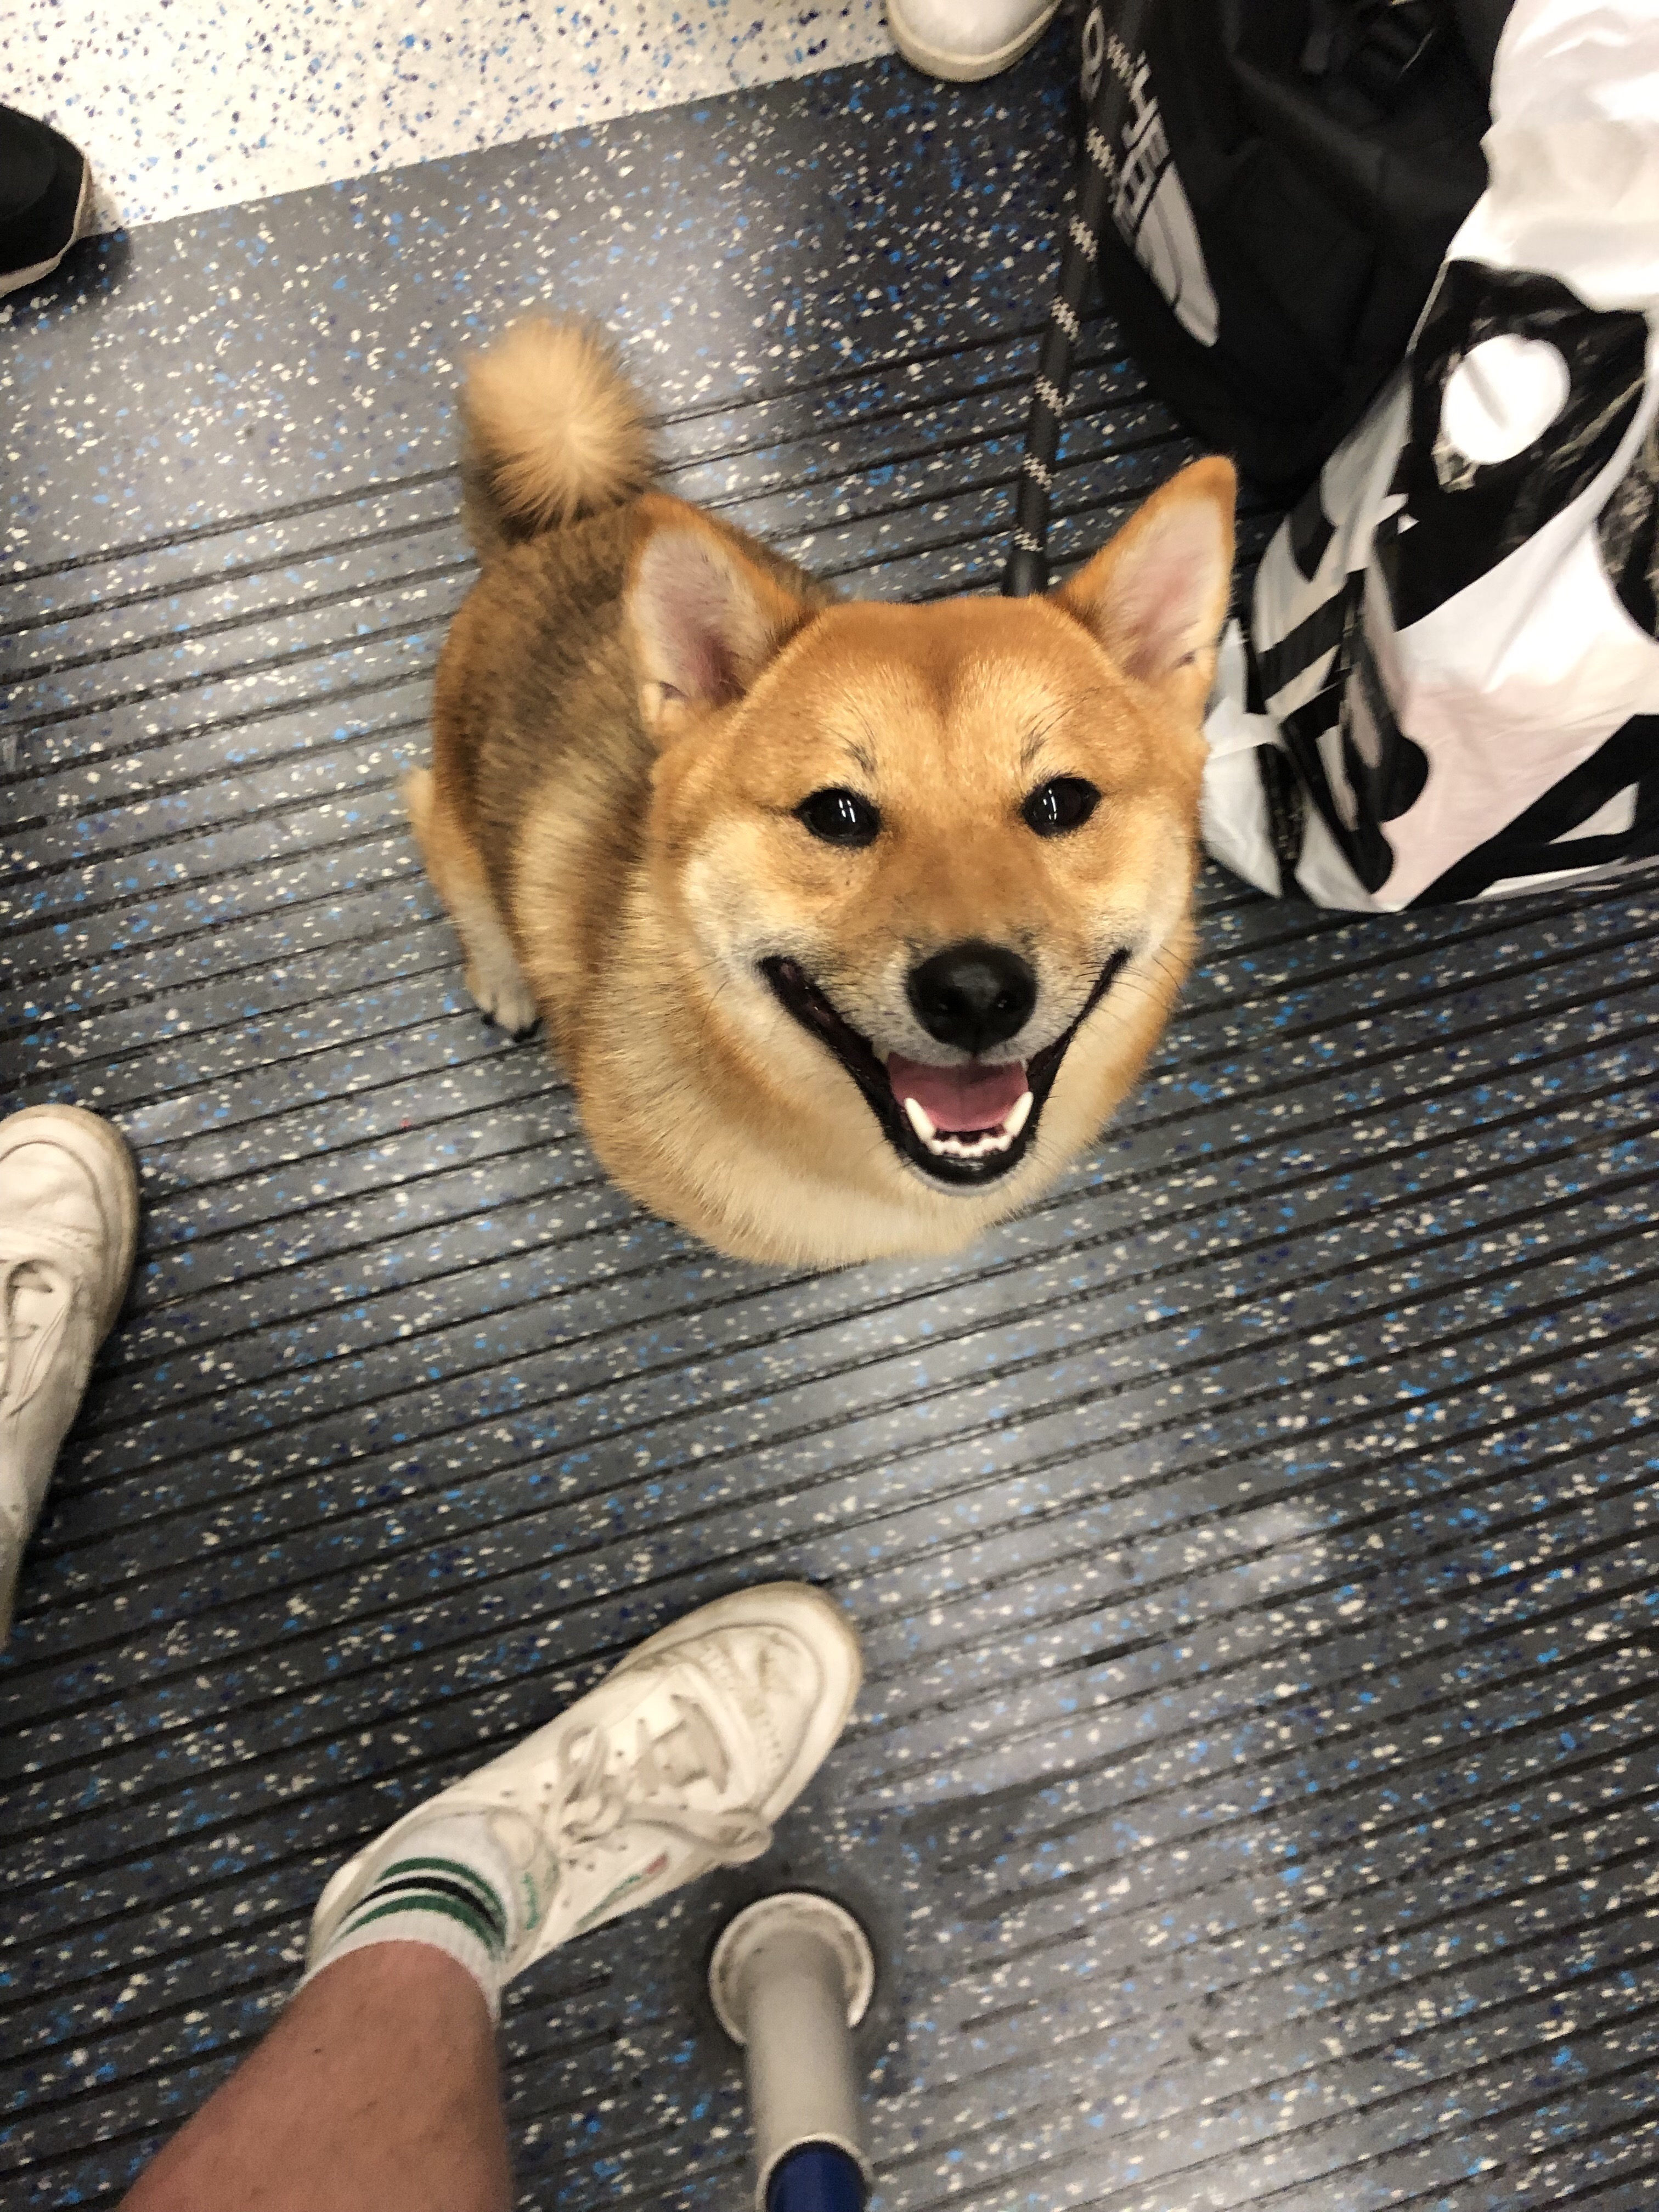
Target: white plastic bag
{"x":1451,"y":685}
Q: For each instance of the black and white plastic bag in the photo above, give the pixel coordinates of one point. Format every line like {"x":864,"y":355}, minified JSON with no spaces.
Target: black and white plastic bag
{"x":1450,"y":687}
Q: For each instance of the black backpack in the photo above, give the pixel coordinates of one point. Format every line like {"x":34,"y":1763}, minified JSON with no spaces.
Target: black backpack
{"x":1266,"y":191}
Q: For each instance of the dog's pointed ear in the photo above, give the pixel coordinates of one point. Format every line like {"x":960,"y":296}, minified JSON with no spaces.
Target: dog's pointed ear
{"x":706,"y":618}
{"x":1156,"y":596}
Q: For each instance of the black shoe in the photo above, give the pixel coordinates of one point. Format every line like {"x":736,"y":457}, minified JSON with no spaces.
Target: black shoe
{"x":45,"y":199}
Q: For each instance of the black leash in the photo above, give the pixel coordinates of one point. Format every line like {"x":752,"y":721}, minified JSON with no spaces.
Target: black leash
{"x":1027,"y":572}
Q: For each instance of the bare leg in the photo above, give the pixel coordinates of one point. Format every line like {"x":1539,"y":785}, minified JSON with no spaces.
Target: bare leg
{"x":377,"y":2091}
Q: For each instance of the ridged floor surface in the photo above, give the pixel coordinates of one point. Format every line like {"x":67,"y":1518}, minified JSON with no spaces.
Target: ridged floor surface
{"x":1254,"y":1790}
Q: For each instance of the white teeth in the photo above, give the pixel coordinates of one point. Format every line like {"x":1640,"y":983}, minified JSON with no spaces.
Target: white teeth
{"x":952,"y":1147}
{"x":993,"y":1140}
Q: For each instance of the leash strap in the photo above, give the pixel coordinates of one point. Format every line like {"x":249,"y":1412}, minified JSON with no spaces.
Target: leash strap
{"x":1027,"y":572}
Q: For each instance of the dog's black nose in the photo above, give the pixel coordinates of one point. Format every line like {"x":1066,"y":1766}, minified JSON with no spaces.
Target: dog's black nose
{"x":973,"y":995}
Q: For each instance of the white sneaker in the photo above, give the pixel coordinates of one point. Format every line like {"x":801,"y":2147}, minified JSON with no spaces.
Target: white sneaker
{"x":68,"y":1227}
{"x":966,"y":40}
{"x":680,"y":1761}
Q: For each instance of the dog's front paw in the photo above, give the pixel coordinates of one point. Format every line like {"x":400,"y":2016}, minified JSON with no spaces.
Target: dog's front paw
{"x":505,"y":999}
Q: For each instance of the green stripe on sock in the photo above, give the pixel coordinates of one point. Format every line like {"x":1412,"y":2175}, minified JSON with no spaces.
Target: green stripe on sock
{"x":489,"y":1898}
{"x":427,"y":1901}
{"x":397,"y":1885}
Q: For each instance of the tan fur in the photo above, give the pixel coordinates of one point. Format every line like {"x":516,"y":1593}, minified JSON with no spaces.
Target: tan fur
{"x":628,"y":711}
{"x":551,"y":431}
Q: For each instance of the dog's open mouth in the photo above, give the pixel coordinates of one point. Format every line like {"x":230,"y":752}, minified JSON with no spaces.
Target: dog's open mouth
{"x":963,"y":1127}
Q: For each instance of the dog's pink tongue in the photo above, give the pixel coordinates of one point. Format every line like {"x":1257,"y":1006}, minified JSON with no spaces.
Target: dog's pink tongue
{"x":958,"y":1098}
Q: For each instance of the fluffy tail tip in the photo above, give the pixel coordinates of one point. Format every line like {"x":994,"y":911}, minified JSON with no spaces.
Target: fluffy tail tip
{"x":554,"y":429}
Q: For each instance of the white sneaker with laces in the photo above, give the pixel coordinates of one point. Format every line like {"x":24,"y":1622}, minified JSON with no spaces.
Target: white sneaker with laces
{"x":680,"y":1761}
{"x":68,"y":1227}
{"x":966,"y":39}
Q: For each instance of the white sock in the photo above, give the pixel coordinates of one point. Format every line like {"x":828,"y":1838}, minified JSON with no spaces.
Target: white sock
{"x":449,"y":1885}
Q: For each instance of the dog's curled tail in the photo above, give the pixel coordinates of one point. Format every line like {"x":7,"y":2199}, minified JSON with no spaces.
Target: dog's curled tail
{"x":552,"y":431}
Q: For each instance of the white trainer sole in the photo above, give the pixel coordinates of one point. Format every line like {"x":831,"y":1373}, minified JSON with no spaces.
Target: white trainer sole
{"x":965,"y":69}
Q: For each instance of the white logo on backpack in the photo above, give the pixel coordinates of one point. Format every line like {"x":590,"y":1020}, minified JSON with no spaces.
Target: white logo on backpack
{"x":1150,"y":205}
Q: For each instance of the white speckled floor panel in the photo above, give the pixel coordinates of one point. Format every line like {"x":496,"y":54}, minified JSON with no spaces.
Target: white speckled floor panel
{"x":185,"y":105}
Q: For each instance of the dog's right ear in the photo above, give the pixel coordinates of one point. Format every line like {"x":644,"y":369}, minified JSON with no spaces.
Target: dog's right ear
{"x":706,"y":619}
{"x":1156,"y":595}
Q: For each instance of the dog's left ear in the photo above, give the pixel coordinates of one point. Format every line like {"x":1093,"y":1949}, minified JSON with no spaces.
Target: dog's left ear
{"x":706,"y":618}
{"x":1155,"y":597}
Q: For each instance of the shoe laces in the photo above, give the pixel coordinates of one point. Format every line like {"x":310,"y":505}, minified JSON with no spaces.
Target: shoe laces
{"x":594,"y":1793}
{"x":28,"y":1347}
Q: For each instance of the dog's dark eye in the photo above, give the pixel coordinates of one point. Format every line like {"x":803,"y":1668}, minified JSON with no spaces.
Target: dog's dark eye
{"x":840,"y":818}
{"x":1065,"y":804}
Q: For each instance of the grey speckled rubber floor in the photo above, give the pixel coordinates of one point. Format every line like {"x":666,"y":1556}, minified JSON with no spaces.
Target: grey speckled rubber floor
{"x":1255,"y":1788}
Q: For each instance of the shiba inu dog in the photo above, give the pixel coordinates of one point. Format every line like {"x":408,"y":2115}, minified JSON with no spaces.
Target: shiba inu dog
{"x":851,"y":923}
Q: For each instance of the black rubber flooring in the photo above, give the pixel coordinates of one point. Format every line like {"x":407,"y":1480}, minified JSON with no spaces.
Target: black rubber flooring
{"x":1255,"y":1793}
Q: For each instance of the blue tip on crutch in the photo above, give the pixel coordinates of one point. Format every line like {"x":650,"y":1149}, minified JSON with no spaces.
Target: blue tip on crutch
{"x":817,"y":2177}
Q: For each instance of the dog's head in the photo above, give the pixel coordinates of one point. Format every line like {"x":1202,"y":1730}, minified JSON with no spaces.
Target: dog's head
{"x":917,"y":847}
